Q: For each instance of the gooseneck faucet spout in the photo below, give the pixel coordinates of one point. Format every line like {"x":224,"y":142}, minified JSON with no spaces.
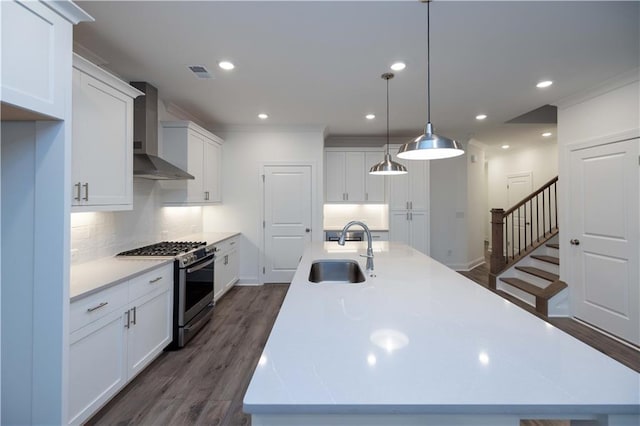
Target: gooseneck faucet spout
{"x":369,"y":255}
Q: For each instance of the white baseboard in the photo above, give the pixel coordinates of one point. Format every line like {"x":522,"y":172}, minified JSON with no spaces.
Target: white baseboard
{"x":466,"y":266}
{"x":248,"y":281}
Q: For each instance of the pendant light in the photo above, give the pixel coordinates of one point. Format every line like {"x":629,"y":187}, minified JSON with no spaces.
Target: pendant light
{"x":429,"y":146}
{"x":387,"y":166}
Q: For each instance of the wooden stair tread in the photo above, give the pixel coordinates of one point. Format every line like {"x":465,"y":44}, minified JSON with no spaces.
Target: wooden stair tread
{"x":554,"y":245}
{"x":545,"y":258}
{"x":524,"y":286}
{"x":538,"y":273}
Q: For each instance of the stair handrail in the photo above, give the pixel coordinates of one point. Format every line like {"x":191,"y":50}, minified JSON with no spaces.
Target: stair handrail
{"x":503,"y":256}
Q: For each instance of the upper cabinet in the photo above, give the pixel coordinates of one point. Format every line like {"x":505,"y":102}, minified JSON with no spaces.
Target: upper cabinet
{"x":199,"y":152}
{"x":347,"y":178}
{"x":102,"y":154}
{"x":36,"y":47}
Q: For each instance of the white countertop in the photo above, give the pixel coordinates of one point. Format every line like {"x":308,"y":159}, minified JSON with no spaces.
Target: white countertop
{"x":90,"y":277}
{"x":421,"y":338}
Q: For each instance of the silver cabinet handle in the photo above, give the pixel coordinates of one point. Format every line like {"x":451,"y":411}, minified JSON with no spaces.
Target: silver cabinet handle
{"x":410,"y":215}
{"x":407,"y":215}
{"x":206,"y":195}
{"x":407,"y":205}
{"x":78,"y":188}
{"x":155,"y":280}
{"x":366,"y":196}
{"x":233,"y":242}
{"x":575,"y":242}
{"x":126,"y":325}
{"x":133,"y":321}
{"x":101,"y":305}
{"x":226,"y":259}
{"x":347,"y":196}
{"x":410,"y":205}
{"x":86,"y":191}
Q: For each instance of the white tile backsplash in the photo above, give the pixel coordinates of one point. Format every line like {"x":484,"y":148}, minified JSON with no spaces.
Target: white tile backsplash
{"x":375,"y":216}
{"x":101,"y":234}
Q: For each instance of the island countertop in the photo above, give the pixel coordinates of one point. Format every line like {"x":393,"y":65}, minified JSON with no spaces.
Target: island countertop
{"x":418,"y":338}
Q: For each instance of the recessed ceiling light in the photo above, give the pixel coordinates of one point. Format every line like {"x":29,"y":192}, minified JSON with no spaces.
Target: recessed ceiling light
{"x":505,"y":147}
{"x":543,"y":84}
{"x":398,"y":66}
{"x":481,"y":116}
{"x":547,"y":134}
{"x":226,"y":65}
{"x":370,"y":116}
{"x":263,"y":116}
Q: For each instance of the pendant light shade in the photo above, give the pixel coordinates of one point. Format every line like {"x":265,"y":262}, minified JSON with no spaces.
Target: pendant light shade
{"x":429,"y":146}
{"x":387,"y":166}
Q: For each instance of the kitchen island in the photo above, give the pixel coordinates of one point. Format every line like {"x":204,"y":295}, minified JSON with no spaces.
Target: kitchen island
{"x":418,"y":343}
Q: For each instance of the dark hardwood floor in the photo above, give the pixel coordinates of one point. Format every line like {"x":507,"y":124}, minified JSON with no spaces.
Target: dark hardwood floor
{"x":204,"y":383}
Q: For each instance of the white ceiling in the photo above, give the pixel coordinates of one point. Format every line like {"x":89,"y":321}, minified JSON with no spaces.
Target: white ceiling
{"x":319,"y":62}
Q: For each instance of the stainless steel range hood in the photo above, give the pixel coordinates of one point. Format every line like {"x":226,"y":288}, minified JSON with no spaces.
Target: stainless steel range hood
{"x":146,"y":163}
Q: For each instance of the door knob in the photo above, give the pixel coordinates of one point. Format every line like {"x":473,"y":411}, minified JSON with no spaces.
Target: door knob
{"x":575,"y":242}
{"x":307,"y":230}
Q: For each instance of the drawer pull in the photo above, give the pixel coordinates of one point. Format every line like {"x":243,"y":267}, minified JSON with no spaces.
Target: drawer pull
{"x":133,"y":321}
{"x":232,"y":243}
{"x":155,"y":280}
{"x":128,"y":323}
{"x":101,"y":305}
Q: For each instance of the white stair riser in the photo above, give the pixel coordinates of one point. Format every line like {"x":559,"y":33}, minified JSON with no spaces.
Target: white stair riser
{"x":545,"y":266}
{"x":558,"y":305}
{"x":525,"y":297}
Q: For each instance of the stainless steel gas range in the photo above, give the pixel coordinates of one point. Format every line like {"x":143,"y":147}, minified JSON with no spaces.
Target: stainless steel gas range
{"x":193,"y":283}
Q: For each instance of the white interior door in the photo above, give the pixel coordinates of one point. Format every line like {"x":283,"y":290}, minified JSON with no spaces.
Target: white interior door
{"x":287,"y":220}
{"x":519,"y":186}
{"x":604,"y":187}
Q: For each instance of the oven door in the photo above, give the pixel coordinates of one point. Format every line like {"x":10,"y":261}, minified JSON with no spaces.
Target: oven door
{"x":196,"y":289}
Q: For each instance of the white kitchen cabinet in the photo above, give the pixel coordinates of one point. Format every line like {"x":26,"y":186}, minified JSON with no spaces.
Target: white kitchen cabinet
{"x":347,"y":178}
{"x":121,"y":330}
{"x":410,"y":191}
{"x":102,"y":141}
{"x":36,"y":44}
{"x":226,"y":270}
{"x":199,"y":152}
{"x":411,"y":228}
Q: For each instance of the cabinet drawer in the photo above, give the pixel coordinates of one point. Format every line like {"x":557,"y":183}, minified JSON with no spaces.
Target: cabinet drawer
{"x":96,"y":306}
{"x":156,"y":280}
{"x":227,"y":245}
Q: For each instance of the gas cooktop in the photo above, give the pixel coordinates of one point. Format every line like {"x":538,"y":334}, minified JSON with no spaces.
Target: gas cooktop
{"x":165,"y":249}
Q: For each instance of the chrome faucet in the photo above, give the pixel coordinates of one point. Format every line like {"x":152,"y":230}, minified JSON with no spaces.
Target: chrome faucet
{"x":369,"y":254}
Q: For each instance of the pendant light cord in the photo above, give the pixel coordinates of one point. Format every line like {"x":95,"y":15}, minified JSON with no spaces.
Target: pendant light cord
{"x":428,"y":66}
{"x":387,"y":116}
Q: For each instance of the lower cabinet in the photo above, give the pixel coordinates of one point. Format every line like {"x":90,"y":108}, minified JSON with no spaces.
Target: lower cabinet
{"x":410,"y":227}
{"x":115,"y":333}
{"x":226,"y":269}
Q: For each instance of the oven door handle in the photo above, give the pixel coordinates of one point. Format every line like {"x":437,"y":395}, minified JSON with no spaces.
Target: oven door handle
{"x":201,"y":265}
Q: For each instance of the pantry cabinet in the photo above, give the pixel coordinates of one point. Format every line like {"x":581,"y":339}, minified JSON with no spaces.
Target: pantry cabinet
{"x":227,"y":266}
{"x":36,"y":44}
{"x":409,"y":205}
{"x":347,"y":178}
{"x":199,"y":152}
{"x":120,"y":330}
{"x":102,"y":140}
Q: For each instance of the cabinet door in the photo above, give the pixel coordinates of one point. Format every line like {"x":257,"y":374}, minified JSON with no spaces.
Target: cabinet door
{"x":97,"y":365}
{"x":219,"y":276}
{"x":211,"y":172}
{"x":399,"y":230}
{"x":399,"y":188}
{"x":150,"y":329}
{"x":233,"y":268}
{"x":102,"y":159}
{"x":419,"y":231}
{"x":418,"y":184}
{"x":354,"y":177}
{"x":374,"y":184}
{"x":334,"y":173}
{"x":195,"y":155}
{"x":35,"y":45}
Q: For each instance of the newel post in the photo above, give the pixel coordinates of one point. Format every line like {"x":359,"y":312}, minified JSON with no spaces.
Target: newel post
{"x":497,"y":261}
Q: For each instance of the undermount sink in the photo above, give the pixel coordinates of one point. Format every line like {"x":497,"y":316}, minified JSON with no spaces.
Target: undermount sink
{"x":336,"y":271}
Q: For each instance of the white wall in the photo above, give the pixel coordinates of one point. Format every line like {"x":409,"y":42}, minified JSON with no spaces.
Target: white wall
{"x":100,"y":234}
{"x":541,"y":160}
{"x":245,"y":151}
{"x":476,"y":203}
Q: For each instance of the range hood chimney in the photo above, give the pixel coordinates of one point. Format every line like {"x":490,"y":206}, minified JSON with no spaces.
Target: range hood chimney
{"x":146,"y":163}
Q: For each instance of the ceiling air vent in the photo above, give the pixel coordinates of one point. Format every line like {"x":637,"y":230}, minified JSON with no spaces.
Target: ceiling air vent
{"x":200,"y":71}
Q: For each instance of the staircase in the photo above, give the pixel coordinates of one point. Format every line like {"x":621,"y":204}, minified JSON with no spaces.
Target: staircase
{"x":525,"y":259}
{"x":535,"y":280}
